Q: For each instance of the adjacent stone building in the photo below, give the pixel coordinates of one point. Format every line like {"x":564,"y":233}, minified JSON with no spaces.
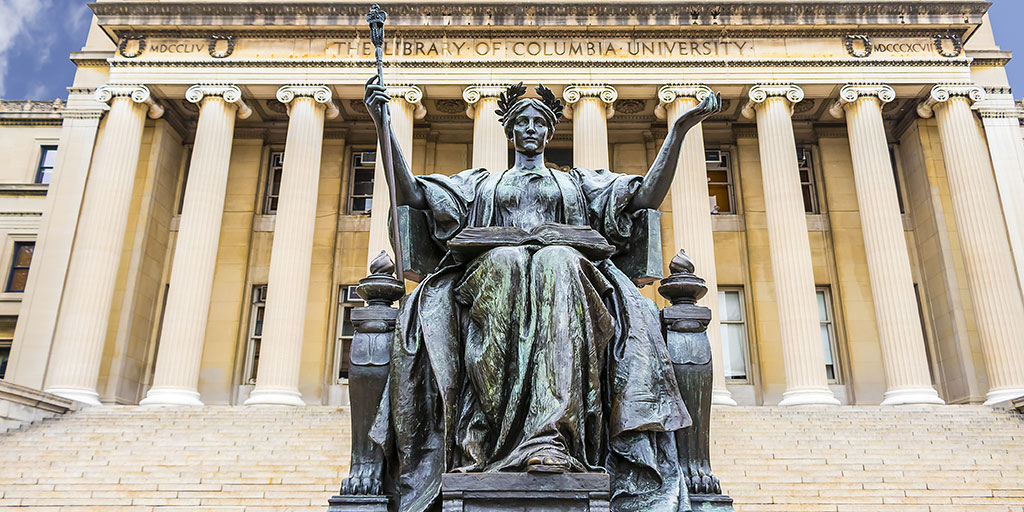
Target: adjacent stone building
{"x":198,"y":210}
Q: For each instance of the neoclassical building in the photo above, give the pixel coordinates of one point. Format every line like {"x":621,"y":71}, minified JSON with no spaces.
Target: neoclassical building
{"x":187,"y":227}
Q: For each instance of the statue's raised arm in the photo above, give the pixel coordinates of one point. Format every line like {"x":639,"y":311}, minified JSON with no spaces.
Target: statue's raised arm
{"x":656,"y":184}
{"x":407,"y":191}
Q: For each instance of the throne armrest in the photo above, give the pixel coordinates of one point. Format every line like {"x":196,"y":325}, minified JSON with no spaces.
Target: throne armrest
{"x":641,"y":261}
{"x":420,"y":255}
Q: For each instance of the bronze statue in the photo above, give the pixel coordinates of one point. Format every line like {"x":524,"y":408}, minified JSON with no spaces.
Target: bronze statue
{"x":526,"y":348}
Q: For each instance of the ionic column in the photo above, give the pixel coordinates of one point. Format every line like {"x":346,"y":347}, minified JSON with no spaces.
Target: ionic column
{"x":691,"y":215}
{"x":590,"y":108}
{"x":82,"y":326}
{"x":405,"y":110}
{"x":998,"y":308}
{"x":176,"y":379}
{"x":277,"y":379}
{"x":490,"y":145}
{"x":907,"y":378}
{"x":1005,"y":145}
{"x":790,"y":249}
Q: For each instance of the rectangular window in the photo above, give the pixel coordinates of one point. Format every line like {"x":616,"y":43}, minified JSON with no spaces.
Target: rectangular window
{"x":47,"y":160}
{"x":361,"y":195}
{"x":805,"y":163}
{"x":252,"y":351}
{"x":347,"y":301}
{"x":272,"y":191}
{"x":826,"y":323}
{"x":18,"y":275}
{"x":7,"y":324}
{"x":731,"y":313}
{"x":720,"y":184}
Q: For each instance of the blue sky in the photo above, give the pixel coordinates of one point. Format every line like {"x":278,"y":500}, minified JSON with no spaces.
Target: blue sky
{"x":36,"y":37}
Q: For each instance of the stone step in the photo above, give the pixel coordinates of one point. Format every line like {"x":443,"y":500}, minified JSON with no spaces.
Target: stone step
{"x":769,"y":459}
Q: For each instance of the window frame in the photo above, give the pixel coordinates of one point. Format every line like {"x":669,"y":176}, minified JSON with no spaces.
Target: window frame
{"x":724,"y":155}
{"x":13,"y":266}
{"x":837,"y":367}
{"x":806,"y":154}
{"x":351,"y":196}
{"x":742,"y":322}
{"x":41,"y":170}
{"x":257,"y":302}
{"x":268,"y":182}
{"x":347,"y":301}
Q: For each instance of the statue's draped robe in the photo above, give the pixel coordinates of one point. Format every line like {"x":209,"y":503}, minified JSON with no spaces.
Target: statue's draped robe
{"x":531,"y":351}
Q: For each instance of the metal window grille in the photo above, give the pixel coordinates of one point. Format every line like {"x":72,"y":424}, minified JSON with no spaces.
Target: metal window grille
{"x":347,"y":301}
{"x":361,"y":191}
{"x":826,"y":322}
{"x":252,"y":351}
{"x":805,"y":162}
{"x":272,"y":191}
{"x":721,"y":191}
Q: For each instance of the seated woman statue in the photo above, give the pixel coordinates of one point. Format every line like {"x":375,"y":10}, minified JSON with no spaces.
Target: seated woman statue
{"x":533,"y":356}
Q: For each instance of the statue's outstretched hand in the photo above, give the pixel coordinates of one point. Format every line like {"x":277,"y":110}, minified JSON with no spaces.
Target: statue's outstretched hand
{"x":376,"y":99}
{"x":709,"y":106}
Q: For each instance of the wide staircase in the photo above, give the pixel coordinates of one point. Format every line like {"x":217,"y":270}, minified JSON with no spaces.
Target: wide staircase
{"x":230,"y":459}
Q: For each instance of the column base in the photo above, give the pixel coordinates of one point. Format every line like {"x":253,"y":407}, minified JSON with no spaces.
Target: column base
{"x":84,"y":396}
{"x":912,"y":396}
{"x":808,"y":397}
{"x":998,"y":396}
{"x":275,"y":397}
{"x":722,"y":397}
{"x":171,"y":397}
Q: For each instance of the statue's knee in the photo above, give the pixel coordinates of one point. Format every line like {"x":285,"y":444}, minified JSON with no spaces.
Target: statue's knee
{"x":555,"y":256}
{"x":511,"y":259}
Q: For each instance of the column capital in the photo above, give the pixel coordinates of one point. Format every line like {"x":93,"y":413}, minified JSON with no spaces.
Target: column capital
{"x":671,"y":92}
{"x":411,"y":94}
{"x":476,"y":92}
{"x":230,"y":93}
{"x":761,"y":92}
{"x":575,"y":92}
{"x":852,"y":92}
{"x":137,"y":92}
{"x":319,"y":92}
{"x":942,"y":93}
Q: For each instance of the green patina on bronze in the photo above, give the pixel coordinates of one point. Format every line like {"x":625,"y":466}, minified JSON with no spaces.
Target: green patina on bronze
{"x":525,"y":355}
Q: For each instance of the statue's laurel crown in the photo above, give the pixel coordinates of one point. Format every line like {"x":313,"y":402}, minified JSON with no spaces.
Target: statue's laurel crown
{"x":514,"y":92}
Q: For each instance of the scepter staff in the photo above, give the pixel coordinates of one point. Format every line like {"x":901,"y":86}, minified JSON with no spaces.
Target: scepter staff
{"x":376,"y":18}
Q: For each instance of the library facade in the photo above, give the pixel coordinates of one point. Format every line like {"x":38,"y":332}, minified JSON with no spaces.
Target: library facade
{"x":189,"y":226}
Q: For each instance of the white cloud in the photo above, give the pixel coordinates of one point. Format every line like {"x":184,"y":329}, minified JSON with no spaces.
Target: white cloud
{"x":16,"y":15}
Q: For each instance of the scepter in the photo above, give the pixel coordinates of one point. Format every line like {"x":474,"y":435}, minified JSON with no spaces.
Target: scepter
{"x":376,"y":18}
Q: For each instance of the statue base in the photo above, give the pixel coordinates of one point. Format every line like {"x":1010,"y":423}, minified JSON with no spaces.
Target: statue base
{"x":358,"y":504}
{"x":710,"y":503}
{"x":520,"y":492}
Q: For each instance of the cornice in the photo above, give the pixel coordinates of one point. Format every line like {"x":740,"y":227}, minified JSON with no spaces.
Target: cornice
{"x":607,"y":12}
{"x":623,"y":63}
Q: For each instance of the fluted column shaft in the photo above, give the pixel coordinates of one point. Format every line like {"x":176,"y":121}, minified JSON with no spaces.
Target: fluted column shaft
{"x":92,"y":273}
{"x":277,"y":379}
{"x":802,"y":351}
{"x":176,"y":379}
{"x":998,"y":308}
{"x":590,"y":108}
{"x":405,"y":110}
{"x":490,"y":145}
{"x":907,"y":378}
{"x":1002,"y":129}
{"x":691,"y":220}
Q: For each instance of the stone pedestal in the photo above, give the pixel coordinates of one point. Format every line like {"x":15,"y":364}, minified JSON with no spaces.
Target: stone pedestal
{"x":358,"y":504}
{"x":522,"y":492}
{"x":710,"y":503}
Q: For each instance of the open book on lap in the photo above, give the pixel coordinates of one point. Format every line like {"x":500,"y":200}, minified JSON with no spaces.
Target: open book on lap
{"x":471,"y":242}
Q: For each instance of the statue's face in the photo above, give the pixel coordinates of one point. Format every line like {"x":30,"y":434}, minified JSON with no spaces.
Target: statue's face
{"x":530,"y":132}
